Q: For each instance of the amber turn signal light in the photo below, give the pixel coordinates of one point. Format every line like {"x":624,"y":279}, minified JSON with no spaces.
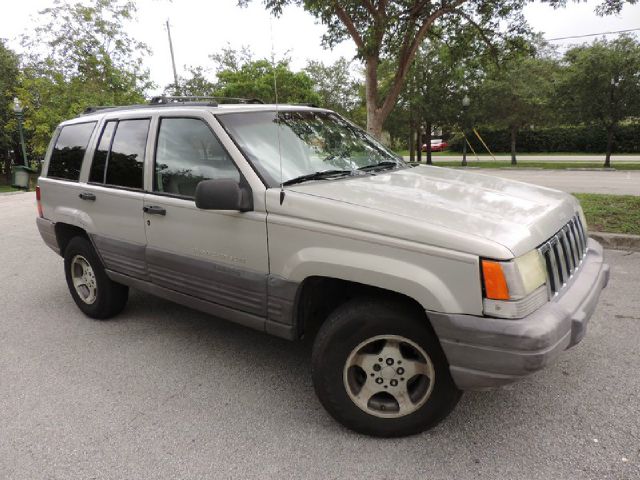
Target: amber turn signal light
{"x":495,"y":285}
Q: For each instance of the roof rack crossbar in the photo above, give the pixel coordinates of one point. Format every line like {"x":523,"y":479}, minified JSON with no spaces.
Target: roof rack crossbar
{"x":95,"y":108}
{"x":165,"y":99}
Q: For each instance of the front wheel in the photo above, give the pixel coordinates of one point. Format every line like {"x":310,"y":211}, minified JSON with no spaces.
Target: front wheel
{"x":378,"y":369}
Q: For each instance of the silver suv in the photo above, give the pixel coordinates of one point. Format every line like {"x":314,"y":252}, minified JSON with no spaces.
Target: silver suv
{"x":414,"y":282}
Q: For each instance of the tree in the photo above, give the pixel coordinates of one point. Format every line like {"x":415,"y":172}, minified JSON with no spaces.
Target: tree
{"x":238,"y":74}
{"x":9,"y":70}
{"x":516,"y":94}
{"x":89,"y":59}
{"x":195,"y":85}
{"x":438,"y":79}
{"x":395,"y":29}
{"x":335,"y":85}
{"x":601,"y":85}
{"x":255,"y":79}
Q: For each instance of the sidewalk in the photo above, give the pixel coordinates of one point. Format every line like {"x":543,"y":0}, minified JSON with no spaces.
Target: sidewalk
{"x":572,"y":181}
{"x":596,"y":158}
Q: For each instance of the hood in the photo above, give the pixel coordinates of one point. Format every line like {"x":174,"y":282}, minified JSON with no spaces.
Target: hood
{"x":516,"y":215}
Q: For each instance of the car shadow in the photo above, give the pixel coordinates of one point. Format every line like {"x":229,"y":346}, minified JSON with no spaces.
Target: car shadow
{"x":279,"y":372}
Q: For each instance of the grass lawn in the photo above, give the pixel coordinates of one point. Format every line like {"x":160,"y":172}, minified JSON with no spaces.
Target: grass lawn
{"x":544,"y":165}
{"x":611,"y":213}
{"x":7,"y":188}
{"x":470,"y":155}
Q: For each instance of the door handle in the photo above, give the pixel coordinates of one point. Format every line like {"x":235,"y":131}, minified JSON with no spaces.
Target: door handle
{"x":154,"y":210}
{"x":87,"y":196}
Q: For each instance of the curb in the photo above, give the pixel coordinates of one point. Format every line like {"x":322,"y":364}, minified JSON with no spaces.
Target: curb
{"x":617,"y":241}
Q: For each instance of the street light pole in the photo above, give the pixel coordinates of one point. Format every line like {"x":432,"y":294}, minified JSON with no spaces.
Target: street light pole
{"x":17,"y":109}
{"x":466,"y":101}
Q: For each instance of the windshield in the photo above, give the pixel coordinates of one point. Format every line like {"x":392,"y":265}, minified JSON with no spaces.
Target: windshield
{"x":310,"y":142}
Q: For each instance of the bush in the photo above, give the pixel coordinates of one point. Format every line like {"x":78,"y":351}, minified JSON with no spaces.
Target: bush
{"x":556,"y":139}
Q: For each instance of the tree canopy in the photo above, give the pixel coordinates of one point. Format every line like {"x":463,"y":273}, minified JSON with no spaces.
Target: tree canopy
{"x":395,"y":29}
{"x":9,"y":76}
{"x":81,"y":55}
{"x":238,"y":74}
{"x":516,"y":94}
{"x":601,"y":85}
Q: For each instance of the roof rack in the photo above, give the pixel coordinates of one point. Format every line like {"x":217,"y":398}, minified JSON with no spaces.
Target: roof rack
{"x":212,"y":101}
{"x":169,"y":101}
{"x":94,"y":109}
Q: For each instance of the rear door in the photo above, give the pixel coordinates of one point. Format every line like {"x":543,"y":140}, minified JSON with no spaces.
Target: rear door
{"x":113,"y":195}
{"x":217,"y":256}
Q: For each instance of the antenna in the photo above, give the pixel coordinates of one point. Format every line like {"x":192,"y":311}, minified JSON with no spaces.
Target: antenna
{"x":275,"y":89}
{"x":173,"y":62}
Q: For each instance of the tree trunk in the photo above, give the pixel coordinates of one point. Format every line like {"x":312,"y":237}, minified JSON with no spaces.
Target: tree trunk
{"x":514,"y":132}
{"x":374,"y":115}
{"x":607,"y":158}
{"x":412,"y":146}
{"x":427,"y":140}
{"x":419,"y":143}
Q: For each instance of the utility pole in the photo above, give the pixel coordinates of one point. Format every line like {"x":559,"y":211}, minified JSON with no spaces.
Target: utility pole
{"x":173,"y":63}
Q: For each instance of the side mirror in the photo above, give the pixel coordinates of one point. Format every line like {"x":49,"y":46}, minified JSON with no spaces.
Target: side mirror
{"x":223,"y":194}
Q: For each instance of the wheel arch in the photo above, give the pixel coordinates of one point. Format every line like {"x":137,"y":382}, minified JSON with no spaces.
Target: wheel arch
{"x":430,"y":288}
{"x":65,"y":232}
{"x":317,"y":296}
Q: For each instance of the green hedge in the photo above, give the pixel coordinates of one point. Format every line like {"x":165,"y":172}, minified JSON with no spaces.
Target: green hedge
{"x":556,"y":139}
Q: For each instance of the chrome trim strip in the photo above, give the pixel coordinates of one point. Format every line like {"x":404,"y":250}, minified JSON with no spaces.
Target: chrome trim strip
{"x":561,"y":258}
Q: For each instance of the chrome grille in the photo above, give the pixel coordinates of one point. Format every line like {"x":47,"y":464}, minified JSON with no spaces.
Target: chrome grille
{"x":563,"y":253}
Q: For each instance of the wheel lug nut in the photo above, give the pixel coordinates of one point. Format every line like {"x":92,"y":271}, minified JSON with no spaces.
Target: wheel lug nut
{"x":377,"y":367}
{"x":379,"y":380}
{"x":400,"y":371}
{"x":389,"y":361}
{"x":394,"y":383}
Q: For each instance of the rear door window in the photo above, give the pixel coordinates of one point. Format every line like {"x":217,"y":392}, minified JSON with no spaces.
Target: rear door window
{"x":69,"y":150}
{"x":102,"y":153}
{"x":119,"y":157}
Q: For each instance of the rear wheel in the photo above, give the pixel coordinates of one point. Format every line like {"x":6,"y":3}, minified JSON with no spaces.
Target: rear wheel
{"x":379,"y":369}
{"x":93,"y":291}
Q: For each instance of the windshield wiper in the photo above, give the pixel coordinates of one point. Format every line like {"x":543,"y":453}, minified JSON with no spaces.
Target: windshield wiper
{"x":318,"y":176}
{"x":380,"y":165}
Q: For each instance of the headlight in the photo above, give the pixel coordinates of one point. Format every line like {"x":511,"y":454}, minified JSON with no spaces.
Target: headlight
{"x":515,"y":288}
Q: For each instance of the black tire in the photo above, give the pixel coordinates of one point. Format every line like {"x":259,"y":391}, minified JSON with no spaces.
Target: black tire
{"x":110,"y":297}
{"x":354,"y":323}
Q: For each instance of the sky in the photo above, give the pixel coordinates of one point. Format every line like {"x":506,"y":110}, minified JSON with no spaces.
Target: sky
{"x":202,"y":27}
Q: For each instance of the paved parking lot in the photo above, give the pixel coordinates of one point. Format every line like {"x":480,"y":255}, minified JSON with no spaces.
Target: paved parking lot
{"x":165,"y":392}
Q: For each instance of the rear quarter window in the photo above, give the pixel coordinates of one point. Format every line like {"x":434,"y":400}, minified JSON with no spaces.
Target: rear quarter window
{"x":68,"y":152}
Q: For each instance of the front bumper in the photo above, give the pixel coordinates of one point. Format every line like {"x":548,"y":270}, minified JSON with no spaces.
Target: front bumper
{"x":486,"y":352}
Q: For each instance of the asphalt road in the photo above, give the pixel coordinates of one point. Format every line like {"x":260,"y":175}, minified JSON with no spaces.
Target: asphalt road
{"x":165,"y":392}
{"x":618,"y":182}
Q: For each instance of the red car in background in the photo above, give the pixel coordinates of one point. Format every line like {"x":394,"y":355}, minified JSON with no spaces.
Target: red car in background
{"x":437,"y":145}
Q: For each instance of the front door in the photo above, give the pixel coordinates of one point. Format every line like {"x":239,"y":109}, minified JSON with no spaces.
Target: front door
{"x":217,"y":256}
